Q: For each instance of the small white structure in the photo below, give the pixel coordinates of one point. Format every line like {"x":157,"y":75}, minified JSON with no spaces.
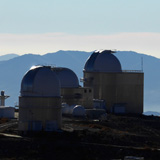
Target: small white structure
{"x":2,"y":98}
{"x":79,"y":111}
{"x":73,"y":110}
{"x":66,"y":109}
{"x":6,"y":112}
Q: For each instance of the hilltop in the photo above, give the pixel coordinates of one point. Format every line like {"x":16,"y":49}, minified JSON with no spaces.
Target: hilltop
{"x":114,"y":138}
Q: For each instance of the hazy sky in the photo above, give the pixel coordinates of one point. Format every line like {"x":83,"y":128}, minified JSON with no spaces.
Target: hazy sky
{"x":41,"y":26}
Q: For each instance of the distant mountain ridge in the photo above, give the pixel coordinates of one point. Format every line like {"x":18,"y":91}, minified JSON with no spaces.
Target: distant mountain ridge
{"x":8,"y":56}
{"x":13,"y":70}
{"x":150,"y":113}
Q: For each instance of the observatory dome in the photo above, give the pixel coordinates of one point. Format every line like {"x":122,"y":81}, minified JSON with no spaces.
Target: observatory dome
{"x":68,"y":79}
{"x":79,"y":111}
{"x":102,"y":61}
{"x":40,"y":81}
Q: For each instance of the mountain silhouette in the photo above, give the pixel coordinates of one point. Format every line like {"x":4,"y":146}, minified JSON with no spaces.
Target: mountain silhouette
{"x":8,"y":56}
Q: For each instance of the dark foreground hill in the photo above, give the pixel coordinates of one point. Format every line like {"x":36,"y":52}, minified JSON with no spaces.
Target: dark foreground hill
{"x":115,"y":138}
{"x":13,"y":70}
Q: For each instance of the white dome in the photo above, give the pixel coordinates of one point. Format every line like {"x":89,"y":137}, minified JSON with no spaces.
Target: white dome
{"x":40,"y":81}
{"x":65,"y":108}
{"x":71,"y":109}
{"x":102,"y":61}
{"x":67,"y":77}
{"x":68,"y":110}
{"x":79,"y":111}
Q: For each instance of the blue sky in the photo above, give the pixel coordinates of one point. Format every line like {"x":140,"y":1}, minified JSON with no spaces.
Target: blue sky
{"x":41,"y":26}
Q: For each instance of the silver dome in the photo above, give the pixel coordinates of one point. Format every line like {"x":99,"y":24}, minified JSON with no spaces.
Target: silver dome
{"x":40,"y":81}
{"x":68,"y":79}
{"x":103,"y":61}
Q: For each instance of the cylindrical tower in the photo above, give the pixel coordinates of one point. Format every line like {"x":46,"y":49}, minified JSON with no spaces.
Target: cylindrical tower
{"x":40,"y":101}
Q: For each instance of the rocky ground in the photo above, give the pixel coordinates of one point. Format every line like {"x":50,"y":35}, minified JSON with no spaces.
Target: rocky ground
{"x":114,"y":138}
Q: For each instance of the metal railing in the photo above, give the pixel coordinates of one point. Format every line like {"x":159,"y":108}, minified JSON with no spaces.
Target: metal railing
{"x":133,"y":71}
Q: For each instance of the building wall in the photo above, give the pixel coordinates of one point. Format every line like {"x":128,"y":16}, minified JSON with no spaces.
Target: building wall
{"x":125,"y":88}
{"x":78,"y":96}
{"x":7,"y":112}
{"x":42,"y":110}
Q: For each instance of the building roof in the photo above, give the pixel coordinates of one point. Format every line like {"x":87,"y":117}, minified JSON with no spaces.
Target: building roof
{"x":67,"y":77}
{"x":40,"y":81}
{"x":102,"y":61}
